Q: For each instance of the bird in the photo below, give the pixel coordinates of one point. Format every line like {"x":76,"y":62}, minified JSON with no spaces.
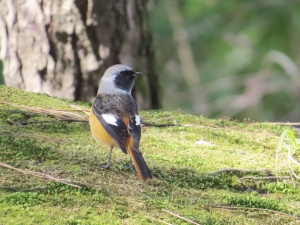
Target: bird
{"x":114,"y":119}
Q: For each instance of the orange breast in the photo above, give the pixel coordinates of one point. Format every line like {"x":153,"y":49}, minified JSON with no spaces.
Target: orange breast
{"x":98,"y":132}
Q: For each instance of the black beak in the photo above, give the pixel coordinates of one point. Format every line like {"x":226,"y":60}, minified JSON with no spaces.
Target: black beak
{"x":138,"y":73}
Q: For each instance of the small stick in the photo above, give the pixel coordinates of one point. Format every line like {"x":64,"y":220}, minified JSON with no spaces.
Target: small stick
{"x":244,"y":185}
{"x":41,"y":175}
{"x":6,"y":153}
{"x":293,"y":180}
{"x":22,"y":112}
{"x":73,"y":110}
{"x":35,"y":109}
{"x":226,"y":128}
{"x":239,"y":171}
{"x":21,"y":190}
{"x":256,"y":209}
{"x":9,"y":181}
{"x":79,"y":109}
{"x":235,"y":210}
{"x":165,"y":118}
{"x":52,"y":112}
{"x":159,"y":125}
{"x":288,"y":124}
{"x":159,"y":220}
{"x":59,"y":112}
{"x":16,"y":175}
{"x":265,"y":178}
{"x":181,"y":217}
{"x":51,"y":121}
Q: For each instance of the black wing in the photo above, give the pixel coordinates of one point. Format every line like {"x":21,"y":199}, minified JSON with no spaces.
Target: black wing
{"x":134,"y":129}
{"x":116,"y":129}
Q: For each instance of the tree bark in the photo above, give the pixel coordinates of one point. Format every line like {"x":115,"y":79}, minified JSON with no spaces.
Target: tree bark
{"x":63,"y":47}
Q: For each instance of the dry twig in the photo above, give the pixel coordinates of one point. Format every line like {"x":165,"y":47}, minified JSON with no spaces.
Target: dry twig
{"x":239,"y":171}
{"x":159,"y":124}
{"x":27,"y":114}
{"x":15,"y":175}
{"x":265,"y":178}
{"x":288,"y":124}
{"x":9,"y":181}
{"x":235,"y":208}
{"x":53,"y":112}
{"x":226,"y":128}
{"x":22,"y":190}
{"x":246,"y":186}
{"x":284,"y":163}
{"x":80,"y":109}
{"x":51,"y":121}
{"x":181,"y":217}
{"x":41,"y":175}
{"x":160,"y":119}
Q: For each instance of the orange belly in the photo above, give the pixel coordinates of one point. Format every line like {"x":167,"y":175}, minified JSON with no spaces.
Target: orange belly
{"x":98,"y":132}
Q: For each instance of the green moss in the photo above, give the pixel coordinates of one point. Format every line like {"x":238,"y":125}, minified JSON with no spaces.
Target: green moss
{"x":25,"y":148}
{"x":21,"y":198}
{"x":254,"y":202}
{"x":116,"y":196}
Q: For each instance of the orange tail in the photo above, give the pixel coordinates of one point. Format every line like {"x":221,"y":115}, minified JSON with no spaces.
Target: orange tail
{"x":140,"y":164}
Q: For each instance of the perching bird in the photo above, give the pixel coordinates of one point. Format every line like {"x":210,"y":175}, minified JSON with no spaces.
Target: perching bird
{"x":114,"y":118}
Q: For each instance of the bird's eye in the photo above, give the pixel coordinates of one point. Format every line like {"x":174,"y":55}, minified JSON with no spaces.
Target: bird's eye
{"x":125,"y":74}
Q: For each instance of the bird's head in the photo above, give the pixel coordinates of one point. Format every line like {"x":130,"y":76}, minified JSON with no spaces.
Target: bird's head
{"x":117,"y":79}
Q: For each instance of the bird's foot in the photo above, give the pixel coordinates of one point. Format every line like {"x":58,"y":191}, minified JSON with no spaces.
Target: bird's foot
{"x":104,"y":167}
{"x":129,"y":167}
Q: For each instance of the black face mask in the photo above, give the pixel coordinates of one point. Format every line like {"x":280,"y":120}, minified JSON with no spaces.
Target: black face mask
{"x":124,"y":80}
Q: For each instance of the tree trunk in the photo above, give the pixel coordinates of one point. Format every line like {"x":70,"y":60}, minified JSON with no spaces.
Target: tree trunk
{"x":63,"y":47}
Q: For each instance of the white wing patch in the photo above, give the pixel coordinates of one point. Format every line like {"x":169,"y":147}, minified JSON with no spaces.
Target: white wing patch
{"x":137,"y":120}
{"x":110,"y":118}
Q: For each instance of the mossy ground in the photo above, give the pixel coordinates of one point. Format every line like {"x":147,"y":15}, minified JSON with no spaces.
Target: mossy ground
{"x":67,"y":150}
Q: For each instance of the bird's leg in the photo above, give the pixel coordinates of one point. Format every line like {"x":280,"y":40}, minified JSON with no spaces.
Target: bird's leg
{"x":129,"y":167}
{"x":108,"y":161}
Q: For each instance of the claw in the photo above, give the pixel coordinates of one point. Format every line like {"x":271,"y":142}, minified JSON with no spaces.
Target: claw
{"x":108,"y":161}
{"x":129,"y":167}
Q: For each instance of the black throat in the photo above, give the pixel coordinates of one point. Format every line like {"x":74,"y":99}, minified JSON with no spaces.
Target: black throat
{"x":124,"y":80}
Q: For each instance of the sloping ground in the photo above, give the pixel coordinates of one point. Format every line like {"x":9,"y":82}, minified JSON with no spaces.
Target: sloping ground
{"x":178,"y":162}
